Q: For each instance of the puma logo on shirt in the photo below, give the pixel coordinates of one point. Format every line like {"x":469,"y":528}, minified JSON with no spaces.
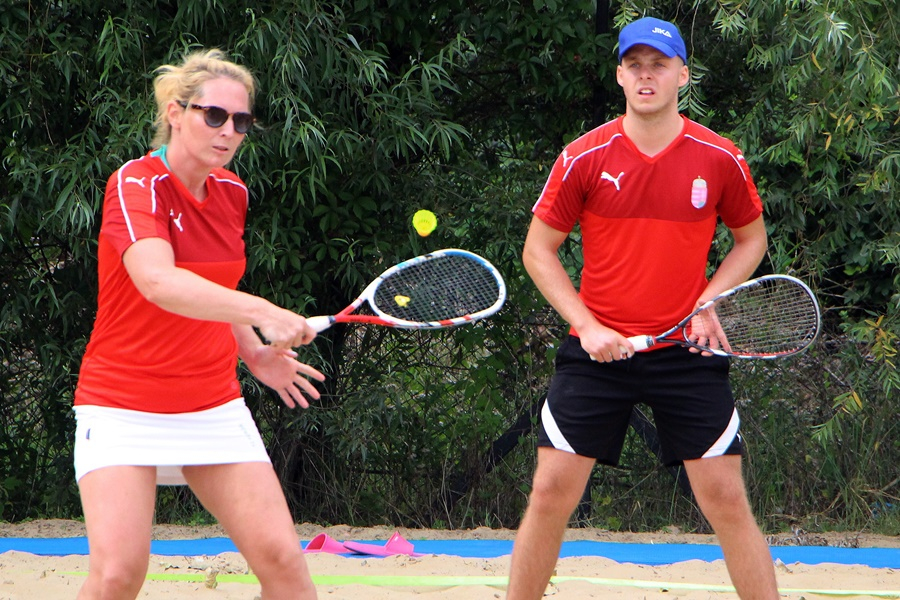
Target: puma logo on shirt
{"x":176,"y":220}
{"x":615,"y":180}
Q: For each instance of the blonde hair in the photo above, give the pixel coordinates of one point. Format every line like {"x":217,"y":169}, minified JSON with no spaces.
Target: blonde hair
{"x":183,"y":82}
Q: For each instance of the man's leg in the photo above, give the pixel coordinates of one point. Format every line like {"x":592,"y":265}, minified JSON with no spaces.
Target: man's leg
{"x":559,"y":482}
{"x":719,"y":488}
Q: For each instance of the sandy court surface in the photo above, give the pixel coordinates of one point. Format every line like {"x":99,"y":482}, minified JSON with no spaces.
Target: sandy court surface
{"x":226,"y":577}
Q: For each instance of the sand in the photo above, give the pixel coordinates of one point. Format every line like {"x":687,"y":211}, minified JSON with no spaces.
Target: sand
{"x":226,"y":577}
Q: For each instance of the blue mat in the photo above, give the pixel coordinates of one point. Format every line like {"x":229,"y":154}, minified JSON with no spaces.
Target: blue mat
{"x":644,"y":554}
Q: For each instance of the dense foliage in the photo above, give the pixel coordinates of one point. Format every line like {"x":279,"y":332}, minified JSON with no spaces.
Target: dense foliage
{"x":372,"y":109}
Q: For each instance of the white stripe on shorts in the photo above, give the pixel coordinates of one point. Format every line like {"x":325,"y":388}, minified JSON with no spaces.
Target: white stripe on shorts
{"x":725,"y":440}
{"x":106,"y":437}
{"x":556,"y":437}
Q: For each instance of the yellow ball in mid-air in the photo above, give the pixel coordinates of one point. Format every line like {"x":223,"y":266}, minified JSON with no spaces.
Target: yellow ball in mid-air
{"x":424,"y":221}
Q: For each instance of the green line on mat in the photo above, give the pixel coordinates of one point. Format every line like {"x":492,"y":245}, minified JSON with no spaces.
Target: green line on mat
{"x":498,"y":581}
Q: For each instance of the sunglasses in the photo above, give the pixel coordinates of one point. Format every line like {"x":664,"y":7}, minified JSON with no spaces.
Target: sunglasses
{"x":216,"y":116}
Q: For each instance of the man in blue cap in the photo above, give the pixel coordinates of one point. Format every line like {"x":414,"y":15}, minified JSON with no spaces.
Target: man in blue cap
{"x":647,"y":190}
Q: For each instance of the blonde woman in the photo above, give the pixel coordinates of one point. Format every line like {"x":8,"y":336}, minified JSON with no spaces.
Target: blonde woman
{"x":158,"y":401}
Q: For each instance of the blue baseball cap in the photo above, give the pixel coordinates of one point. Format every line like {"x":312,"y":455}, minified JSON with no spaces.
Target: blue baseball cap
{"x":656,"y":33}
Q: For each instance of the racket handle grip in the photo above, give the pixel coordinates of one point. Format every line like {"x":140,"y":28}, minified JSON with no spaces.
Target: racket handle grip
{"x":320,"y":324}
{"x":641,"y":342}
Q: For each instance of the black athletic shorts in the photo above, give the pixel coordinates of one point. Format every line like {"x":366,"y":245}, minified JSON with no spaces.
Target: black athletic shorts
{"x":589,"y":404}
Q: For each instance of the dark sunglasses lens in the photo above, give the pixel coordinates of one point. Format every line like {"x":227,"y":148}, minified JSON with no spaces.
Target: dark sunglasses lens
{"x":215,"y":116}
{"x":242,"y":122}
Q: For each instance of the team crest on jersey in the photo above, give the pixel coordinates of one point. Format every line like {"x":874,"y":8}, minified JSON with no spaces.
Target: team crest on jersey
{"x":698,"y":193}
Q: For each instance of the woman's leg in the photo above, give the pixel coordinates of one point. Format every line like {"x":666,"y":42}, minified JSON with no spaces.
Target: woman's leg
{"x":247,"y":500}
{"x":118,"y":504}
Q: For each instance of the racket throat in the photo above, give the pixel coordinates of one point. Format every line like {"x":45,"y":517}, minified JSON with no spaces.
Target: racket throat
{"x":320,"y":324}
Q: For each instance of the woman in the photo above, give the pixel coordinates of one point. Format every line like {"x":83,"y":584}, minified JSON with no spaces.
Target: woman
{"x":158,"y":401}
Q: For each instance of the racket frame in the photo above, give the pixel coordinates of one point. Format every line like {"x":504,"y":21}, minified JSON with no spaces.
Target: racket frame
{"x":642,"y":342}
{"x":321,"y":323}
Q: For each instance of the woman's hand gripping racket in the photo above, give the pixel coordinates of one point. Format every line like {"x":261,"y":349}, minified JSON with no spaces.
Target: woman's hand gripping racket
{"x":769,"y":317}
{"x":441,"y":289}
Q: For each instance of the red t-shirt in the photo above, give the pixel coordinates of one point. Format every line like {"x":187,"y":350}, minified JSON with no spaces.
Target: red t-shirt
{"x":140,"y":356}
{"x":647,"y":223}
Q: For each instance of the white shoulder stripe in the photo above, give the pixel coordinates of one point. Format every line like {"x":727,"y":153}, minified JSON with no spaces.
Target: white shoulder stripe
{"x":235,"y":183}
{"x":546,"y":183}
{"x":120,"y":182}
{"x":588,"y":151}
{"x":153,"y":191}
{"x":737,"y":159}
{"x":574,"y":159}
{"x":123,"y":179}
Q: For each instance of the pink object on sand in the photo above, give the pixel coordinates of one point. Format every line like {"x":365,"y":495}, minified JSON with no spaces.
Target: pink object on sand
{"x":397,"y":544}
{"x":325,"y":543}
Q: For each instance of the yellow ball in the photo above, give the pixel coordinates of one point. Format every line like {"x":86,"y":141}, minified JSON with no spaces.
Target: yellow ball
{"x":424,"y":221}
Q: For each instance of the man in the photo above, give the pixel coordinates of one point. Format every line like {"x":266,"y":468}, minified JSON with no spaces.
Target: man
{"x":647,"y":190}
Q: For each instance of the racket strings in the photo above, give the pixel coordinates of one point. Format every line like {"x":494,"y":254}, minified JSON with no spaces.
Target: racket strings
{"x":773,"y":317}
{"x":441,"y":288}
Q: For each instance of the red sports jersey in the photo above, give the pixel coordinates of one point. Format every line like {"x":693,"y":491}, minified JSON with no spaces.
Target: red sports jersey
{"x":140,"y":356}
{"x":647,"y":223}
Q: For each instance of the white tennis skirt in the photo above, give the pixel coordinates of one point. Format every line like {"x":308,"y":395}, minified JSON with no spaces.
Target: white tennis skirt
{"x":106,"y":437}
